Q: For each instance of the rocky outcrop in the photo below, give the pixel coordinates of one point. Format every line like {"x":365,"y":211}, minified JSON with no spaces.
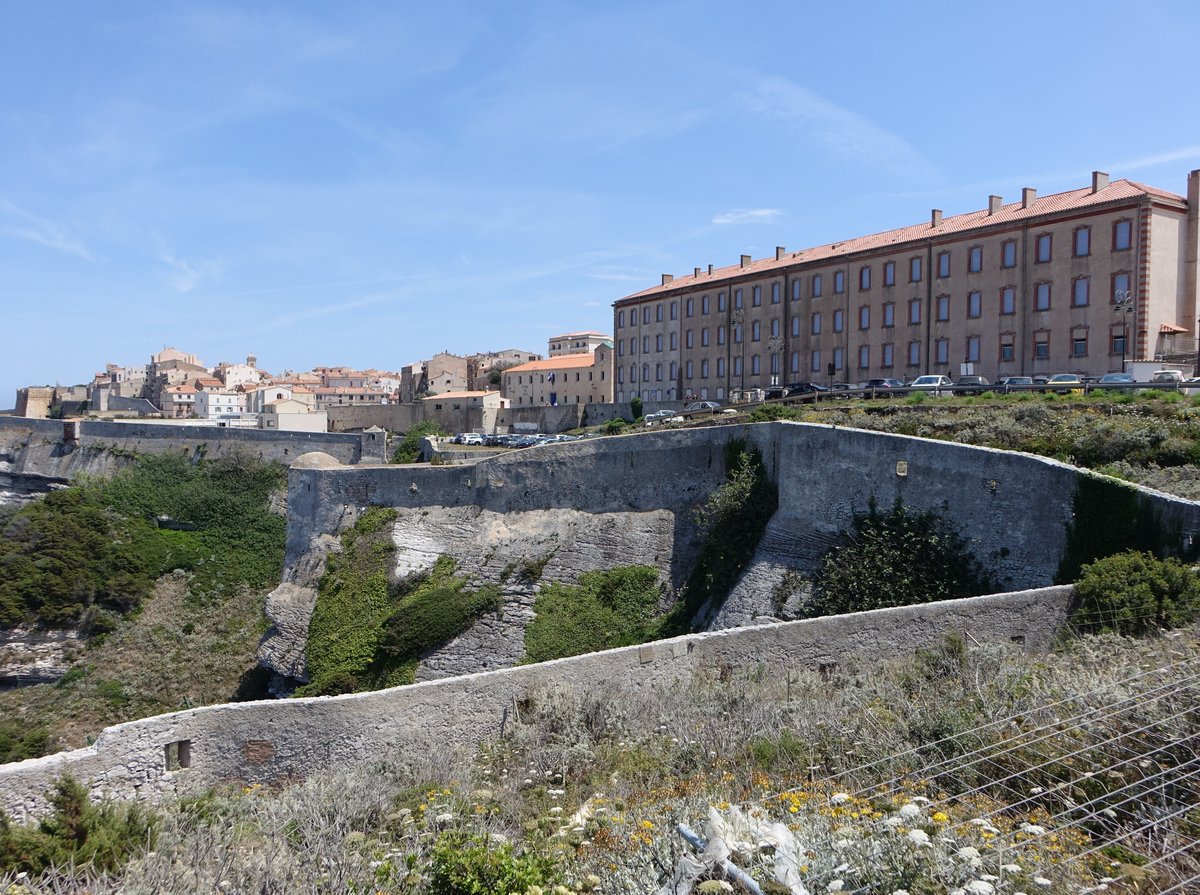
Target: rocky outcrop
{"x":30,"y":655}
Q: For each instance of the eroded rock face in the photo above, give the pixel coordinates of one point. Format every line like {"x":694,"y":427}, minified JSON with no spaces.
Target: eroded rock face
{"x":31,"y":655}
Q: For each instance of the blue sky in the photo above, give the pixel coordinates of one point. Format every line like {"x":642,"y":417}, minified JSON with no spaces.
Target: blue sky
{"x":369,"y":183}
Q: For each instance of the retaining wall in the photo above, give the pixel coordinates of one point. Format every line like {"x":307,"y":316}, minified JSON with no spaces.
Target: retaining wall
{"x":289,"y":739}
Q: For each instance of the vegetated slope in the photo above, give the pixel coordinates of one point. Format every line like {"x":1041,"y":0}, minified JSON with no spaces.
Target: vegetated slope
{"x":95,"y":555}
{"x":958,"y":766}
{"x":1150,"y":438}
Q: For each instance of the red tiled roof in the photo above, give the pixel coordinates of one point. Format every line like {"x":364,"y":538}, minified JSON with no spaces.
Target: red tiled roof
{"x":562,"y":362}
{"x":1014,"y":211}
{"x":459,"y":395}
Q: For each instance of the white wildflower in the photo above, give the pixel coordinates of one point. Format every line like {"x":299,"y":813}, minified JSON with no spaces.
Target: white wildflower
{"x":988,"y":878}
{"x":1032,"y":829}
{"x":556,"y":810}
{"x":1011,"y":868}
{"x":835,"y":886}
{"x":893,"y":821}
{"x":918,"y":837}
{"x":842,"y":844}
{"x":841,"y":868}
{"x":900,"y":892}
{"x":909,"y":811}
{"x":445,"y":817}
{"x":979,"y":887}
{"x":839,"y":798}
{"x":1036,"y":791}
{"x":1042,"y":881}
{"x":921,"y":800}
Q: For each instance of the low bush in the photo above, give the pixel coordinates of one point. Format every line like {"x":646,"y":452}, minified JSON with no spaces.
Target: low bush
{"x":102,"y":836}
{"x":408,"y":450}
{"x":896,"y":558}
{"x":1135,"y":593}
{"x":471,"y":865}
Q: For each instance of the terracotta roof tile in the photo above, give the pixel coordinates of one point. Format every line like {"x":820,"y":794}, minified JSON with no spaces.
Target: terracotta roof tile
{"x":562,"y":362}
{"x":1011,"y":212}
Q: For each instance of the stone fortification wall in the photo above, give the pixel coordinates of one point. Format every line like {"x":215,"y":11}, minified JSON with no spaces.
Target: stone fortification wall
{"x":631,"y":499}
{"x":40,"y":449}
{"x":290,"y":739}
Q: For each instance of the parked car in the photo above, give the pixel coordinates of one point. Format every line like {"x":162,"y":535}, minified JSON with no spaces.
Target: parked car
{"x":1006,"y":381}
{"x":1061,"y":384}
{"x":1116,"y":377}
{"x":702,"y":405}
{"x":657,"y":416}
{"x":931,"y":382}
{"x":1166,"y":376}
{"x":804,"y":388}
{"x":1191,"y":386}
{"x":969,"y":385}
{"x":884,"y":385}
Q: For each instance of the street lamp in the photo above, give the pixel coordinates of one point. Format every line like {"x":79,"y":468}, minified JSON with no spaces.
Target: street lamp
{"x":1123,"y":302}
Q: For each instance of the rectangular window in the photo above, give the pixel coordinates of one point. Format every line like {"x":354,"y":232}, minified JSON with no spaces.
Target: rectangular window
{"x":1045,"y":244}
{"x":737,"y":298}
{"x":839,"y":359}
{"x":974,"y":304}
{"x":620,"y":351}
{"x":942,"y":351}
{"x":704,"y":337}
{"x":774,"y":327}
{"x":737,"y":366}
{"x":737,"y":335}
{"x":814,"y":361}
{"x":1008,"y":253}
{"x":816,"y":324}
{"x":1041,"y":345}
{"x":914,"y":270}
{"x":889,"y":273}
{"x":795,"y":362}
{"x":943,"y":264}
{"x":1008,"y":351}
{"x":675,"y":310}
{"x":889,"y":315}
{"x":658,"y":313}
{"x":1041,"y":300}
{"x":972,"y":349}
{"x":864,"y":357}
{"x":1120,"y":287}
{"x":1079,"y":292}
{"x":687,"y":339}
{"x":914,"y":354}
{"x":674,"y":371}
{"x":839,"y":282}
{"x":703,"y":304}
{"x":704,"y":369}
{"x":816,"y":285}
{"x":757,"y":296}
{"x":755,"y":331}
{"x":720,"y":366}
{"x":795,"y":326}
{"x":774,"y":293}
{"x":658,"y":342}
{"x":1122,"y":235}
{"x":1008,"y":300}
{"x":1118,"y":340}
{"x":688,"y":307}
{"x":645,"y":344}
{"x":943,"y":308}
{"x":688,"y":368}
{"x":620,"y":319}
{"x":975,"y":259}
{"x":864,"y":278}
{"x":1079,"y":343}
{"x":658,"y":372}
{"x":720,"y":335}
{"x":646,"y":314}
{"x":864,"y":317}
{"x":720,"y":301}
{"x":796,"y":289}
{"x":888,"y":358}
{"x":839,"y":321}
{"x":674,"y":340}
{"x":914,"y":311}
{"x":755,"y":365}
{"x":1083,"y":242}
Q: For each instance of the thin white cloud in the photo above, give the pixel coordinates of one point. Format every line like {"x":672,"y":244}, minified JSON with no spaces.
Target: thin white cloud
{"x":613,"y":277}
{"x":26,"y":225}
{"x":841,"y":131}
{"x":749,"y":216}
{"x":185,"y":275}
{"x":1184,"y":153}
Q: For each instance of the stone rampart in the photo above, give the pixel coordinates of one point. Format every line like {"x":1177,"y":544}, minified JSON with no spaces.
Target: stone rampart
{"x":290,"y":739}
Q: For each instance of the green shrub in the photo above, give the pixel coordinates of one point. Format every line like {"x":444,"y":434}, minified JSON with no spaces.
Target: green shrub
{"x":614,"y":426}
{"x":635,"y":408}
{"x":93,"y":551}
{"x":470,"y":865}
{"x":20,"y":739}
{"x":409,"y":448}
{"x":104,"y":836}
{"x":765,"y":413}
{"x":1135,"y":593}
{"x":896,"y":559}
{"x":604,"y":610}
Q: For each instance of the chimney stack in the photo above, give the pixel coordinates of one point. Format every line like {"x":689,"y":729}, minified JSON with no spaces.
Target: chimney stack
{"x":1028,"y":195}
{"x":995,"y":203}
{"x":710,"y":270}
{"x":745,"y":261}
{"x":1099,"y":181}
{"x":666,"y":278}
{"x":935,"y":218}
{"x":695,"y":273}
{"x":780,"y":251}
